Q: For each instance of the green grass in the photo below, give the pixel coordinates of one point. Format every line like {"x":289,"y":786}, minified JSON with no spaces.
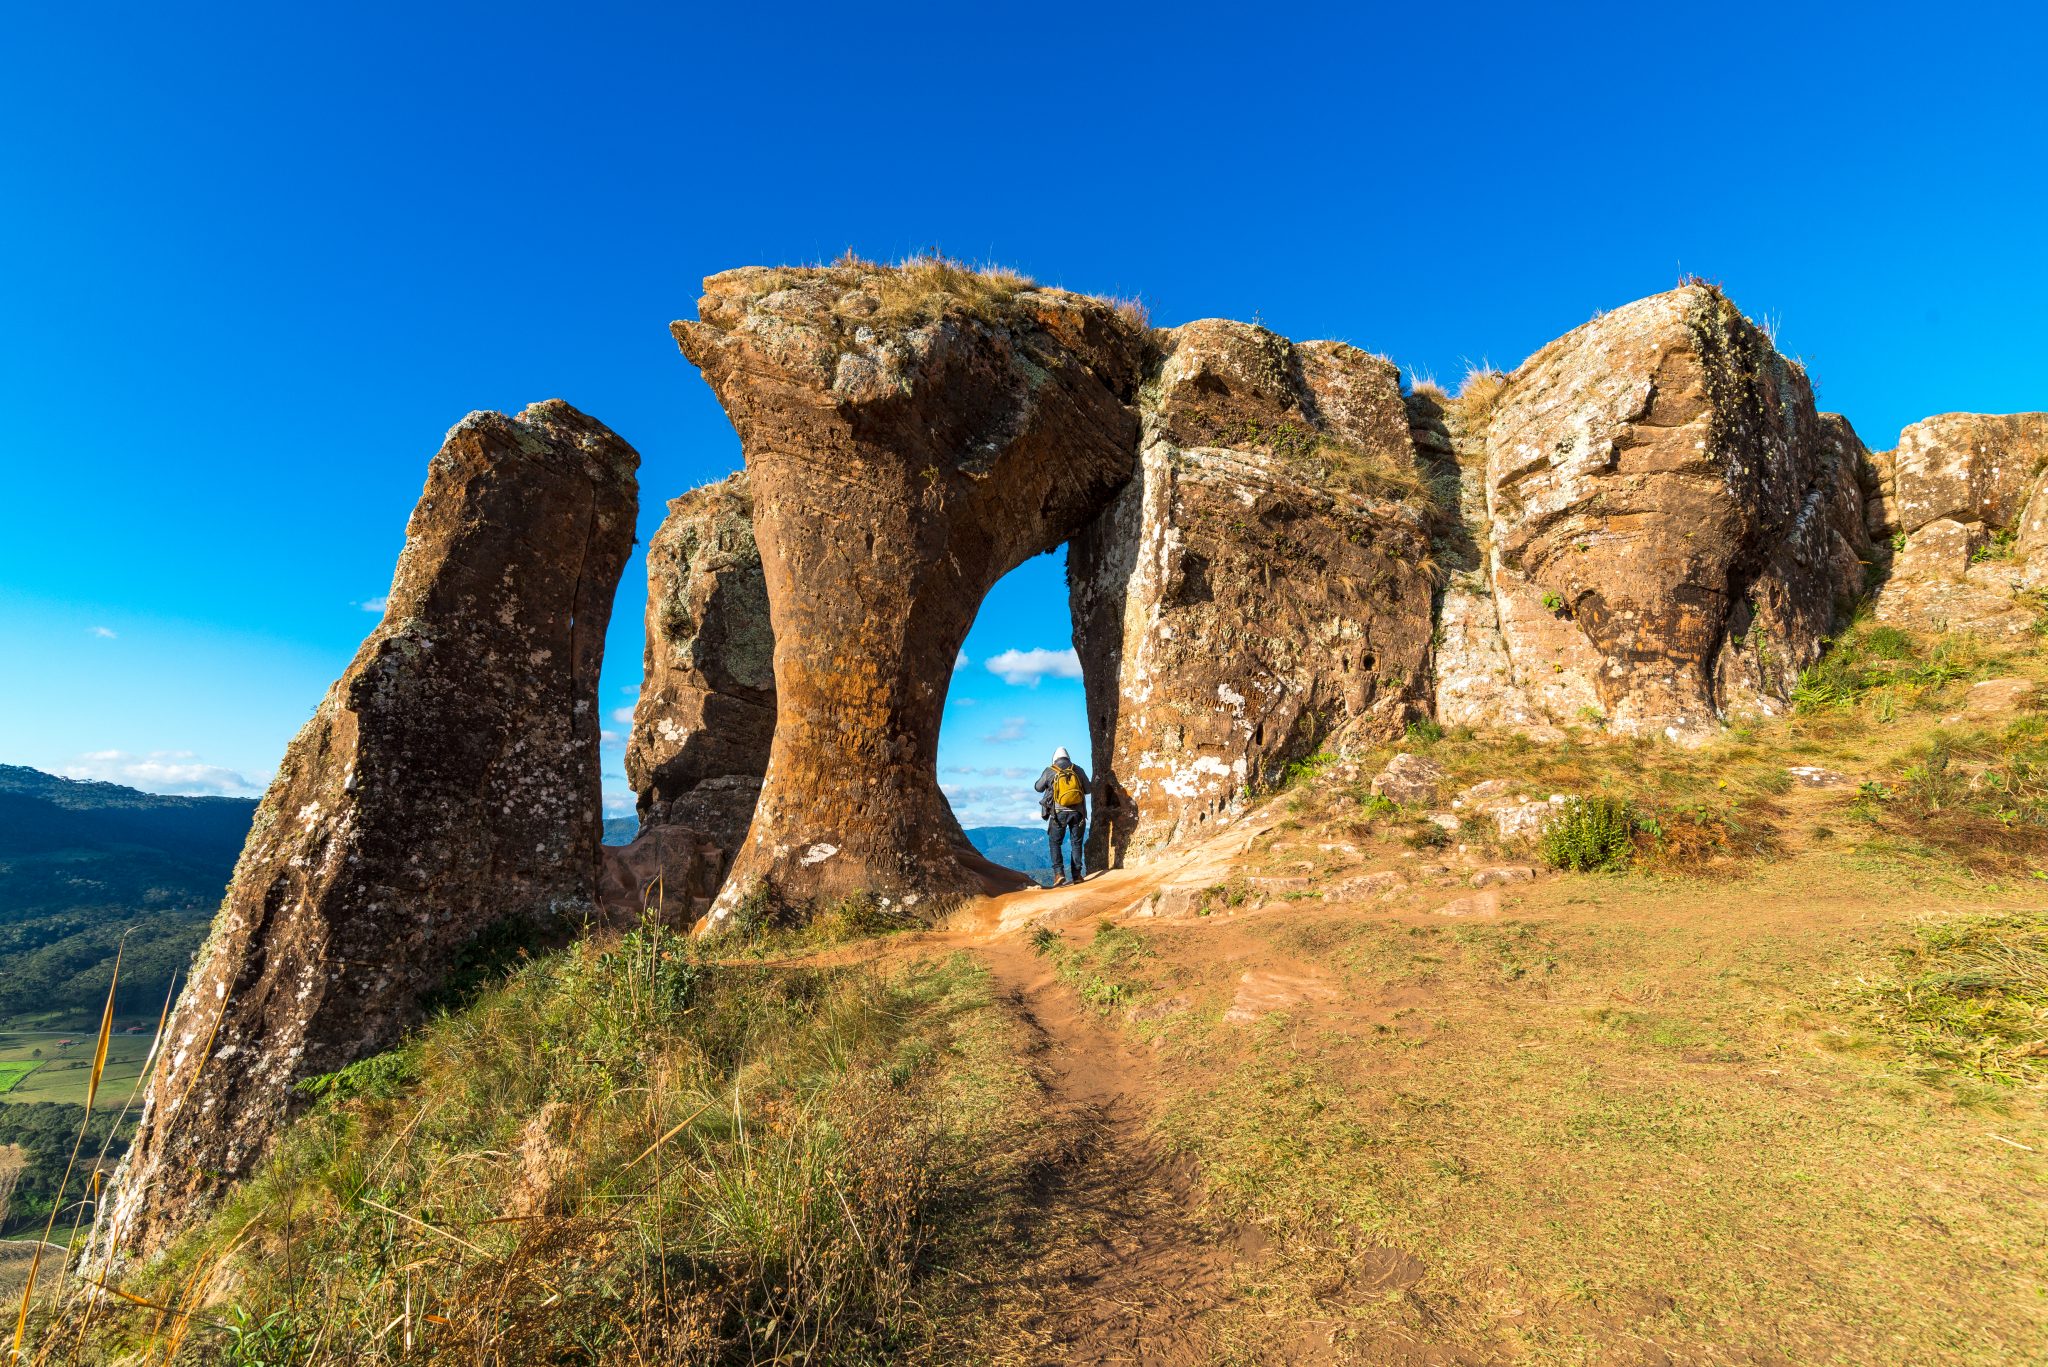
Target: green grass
{"x":1967,"y":998}
{"x":12,"y":1073}
{"x":1882,"y":667}
{"x":1100,"y":968}
{"x":629,"y":1151}
{"x":1592,"y":1132}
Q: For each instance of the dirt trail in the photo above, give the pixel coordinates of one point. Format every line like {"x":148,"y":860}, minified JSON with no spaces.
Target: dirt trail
{"x":1118,"y":1272}
{"x":1136,"y":1287}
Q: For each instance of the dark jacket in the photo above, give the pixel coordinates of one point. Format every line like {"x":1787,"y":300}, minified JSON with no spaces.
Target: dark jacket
{"x":1044,"y":786}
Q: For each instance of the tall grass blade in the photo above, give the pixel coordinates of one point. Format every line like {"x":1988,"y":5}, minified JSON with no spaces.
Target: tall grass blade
{"x":92,"y":1087}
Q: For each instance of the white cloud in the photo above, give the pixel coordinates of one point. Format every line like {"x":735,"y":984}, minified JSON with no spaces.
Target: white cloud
{"x":623,"y":715}
{"x":104,"y":633}
{"x":617,"y":803}
{"x":377,"y":604}
{"x":992,"y":806}
{"x":961,"y":661}
{"x":1027,"y":667}
{"x":1012,"y":729}
{"x":631,"y":691}
{"x":162,"y":771}
{"x":609,"y":737}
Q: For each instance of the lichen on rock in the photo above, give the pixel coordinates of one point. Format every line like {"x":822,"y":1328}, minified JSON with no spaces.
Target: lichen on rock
{"x":705,"y":718}
{"x":1964,"y":499}
{"x":911,"y":435}
{"x":1672,"y":528}
{"x":1260,"y":588}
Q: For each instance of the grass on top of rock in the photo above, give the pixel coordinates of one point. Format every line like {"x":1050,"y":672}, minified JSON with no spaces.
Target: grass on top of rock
{"x":1884,"y":669}
{"x":928,"y":286}
{"x":627,"y":1152}
{"x":1887,"y":757}
{"x":1477,"y":395}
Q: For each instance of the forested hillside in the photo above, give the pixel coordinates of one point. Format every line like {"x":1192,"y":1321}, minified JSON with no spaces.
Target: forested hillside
{"x":81,"y":863}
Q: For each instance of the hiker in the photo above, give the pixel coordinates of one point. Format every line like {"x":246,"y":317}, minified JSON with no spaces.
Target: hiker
{"x":1064,"y":805}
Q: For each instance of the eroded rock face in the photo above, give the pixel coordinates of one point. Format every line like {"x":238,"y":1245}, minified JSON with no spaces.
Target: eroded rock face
{"x":910,"y":436}
{"x":1964,"y":500}
{"x":1259,"y":588}
{"x":706,"y":715}
{"x":1670,"y":529}
{"x":448,"y":783}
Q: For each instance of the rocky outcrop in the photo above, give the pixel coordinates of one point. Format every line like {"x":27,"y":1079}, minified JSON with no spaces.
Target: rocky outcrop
{"x":1258,"y":589}
{"x":1963,"y":500}
{"x":447,"y":785}
{"x":669,"y":871}
{"x":910,"y":436}
{"x":1670,"y":530}
{"x":706,"y":715}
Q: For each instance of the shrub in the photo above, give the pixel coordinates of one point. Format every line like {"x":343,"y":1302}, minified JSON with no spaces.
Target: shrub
{"x":1427,"y":835}
{"x":1423,"y":731}
{"x":1300,"y":770}
{"x":1591,"y":834}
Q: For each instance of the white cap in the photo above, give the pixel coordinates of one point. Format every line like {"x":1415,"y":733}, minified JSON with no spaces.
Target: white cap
{"x":1060,"y":754}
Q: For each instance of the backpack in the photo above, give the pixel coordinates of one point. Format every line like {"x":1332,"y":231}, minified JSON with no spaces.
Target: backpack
{"x":1066,"y":786}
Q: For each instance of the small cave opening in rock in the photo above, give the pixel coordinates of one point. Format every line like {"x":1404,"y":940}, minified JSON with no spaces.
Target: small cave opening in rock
{"x":1015,"y":697}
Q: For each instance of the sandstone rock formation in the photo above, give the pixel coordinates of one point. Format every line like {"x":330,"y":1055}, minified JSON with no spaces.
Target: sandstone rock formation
{"x":1670,"y":528}
{"x":1260,"y":586}
{"x":706,"y":715}
{"x":910,"y":436}
{"x":671,"y":871}
{"x":1964,"y":500}
{"x":447,"y":784}
{"x":1409,"y":778}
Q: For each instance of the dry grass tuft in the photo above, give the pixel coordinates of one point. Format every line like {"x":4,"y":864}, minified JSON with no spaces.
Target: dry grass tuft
{"x":1478,"y":392}
{"x":1132,"y":310}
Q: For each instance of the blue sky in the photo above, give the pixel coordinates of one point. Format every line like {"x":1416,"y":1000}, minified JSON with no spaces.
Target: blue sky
{"x":260,"y":258}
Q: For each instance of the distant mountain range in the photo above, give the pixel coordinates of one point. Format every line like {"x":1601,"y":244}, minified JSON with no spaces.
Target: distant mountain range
{"x":80,"y":863}
{"x":83,"y":862}
{"x":1021,"y":848}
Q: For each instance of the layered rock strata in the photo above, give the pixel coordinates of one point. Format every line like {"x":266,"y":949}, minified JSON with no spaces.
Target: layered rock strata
{"x":706,"y":715}
{"x":446,"y":785}
{"x":1963,"y":499}
{"x":1259,"y":588}
{"x":910,"y":436}
{"x":1670,"y":529}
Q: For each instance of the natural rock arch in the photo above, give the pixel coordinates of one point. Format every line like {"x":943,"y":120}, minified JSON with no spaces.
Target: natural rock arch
{"x":1249,"y":571}
{"x":911,"y":436}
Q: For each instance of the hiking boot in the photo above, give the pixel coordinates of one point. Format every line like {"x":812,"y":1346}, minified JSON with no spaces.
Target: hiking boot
{"x":1059,"y":881}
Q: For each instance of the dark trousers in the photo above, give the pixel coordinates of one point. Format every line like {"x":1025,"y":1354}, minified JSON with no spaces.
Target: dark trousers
{"x":1072,"y":824}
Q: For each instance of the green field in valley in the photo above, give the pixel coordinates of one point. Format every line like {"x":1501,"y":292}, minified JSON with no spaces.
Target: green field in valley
{"x":53,"y":1065}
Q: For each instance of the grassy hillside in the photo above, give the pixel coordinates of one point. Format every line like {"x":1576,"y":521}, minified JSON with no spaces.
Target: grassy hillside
{"x":632,"y":1152}
{"x":1764,"y":1083}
